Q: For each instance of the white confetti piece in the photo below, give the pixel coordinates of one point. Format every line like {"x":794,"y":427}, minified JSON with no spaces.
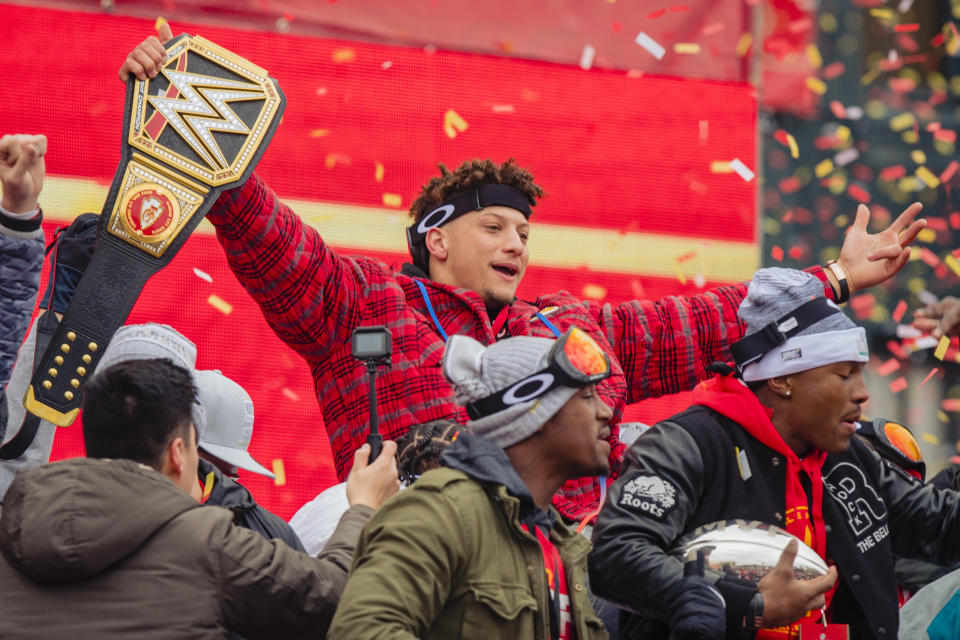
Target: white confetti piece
{"x":904,"y":6}
{"x":846,"y":156}
{"x":742,"y":170}
{"x":387,"y":64}
{"x":927,"y":342}
{"x":503,"y":108}
{"x":653,"y":47}
{"x":905,"y":331}
{"x":854,"y":113}
{"x":203,"y":275}
{"x":586,"y":58}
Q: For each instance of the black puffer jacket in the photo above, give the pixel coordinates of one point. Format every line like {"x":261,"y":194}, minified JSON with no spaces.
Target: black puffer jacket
{"x":689,"y":464}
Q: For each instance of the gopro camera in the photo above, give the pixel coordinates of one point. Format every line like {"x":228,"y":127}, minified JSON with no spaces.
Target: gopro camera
{"x":372,"y":343}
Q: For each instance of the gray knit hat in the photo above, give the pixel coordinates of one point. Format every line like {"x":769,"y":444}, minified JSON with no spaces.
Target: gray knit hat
{"x":772,"y":295}
{"x":150,"y":341}
{"x":477,"y":371}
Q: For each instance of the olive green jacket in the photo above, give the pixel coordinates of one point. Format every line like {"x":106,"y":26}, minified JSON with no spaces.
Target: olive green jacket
{"x":448,"y":558}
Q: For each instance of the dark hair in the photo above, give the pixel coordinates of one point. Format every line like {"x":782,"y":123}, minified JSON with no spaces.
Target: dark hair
{"x":134,"y":409}
{"x":470,"y":175}
{"x":419,"y":449}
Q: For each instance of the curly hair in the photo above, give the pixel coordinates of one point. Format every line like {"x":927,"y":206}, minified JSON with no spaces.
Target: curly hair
{"x":419,"y":449}
{"x":470,"y":175}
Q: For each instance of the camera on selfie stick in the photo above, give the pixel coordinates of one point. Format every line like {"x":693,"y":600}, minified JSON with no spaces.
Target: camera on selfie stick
{"x":373,"y":346}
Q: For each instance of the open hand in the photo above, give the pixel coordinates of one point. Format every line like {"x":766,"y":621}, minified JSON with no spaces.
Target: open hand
{"x":148,"y":56}
{"x":22,"y":169}
{"x":939,"y":319}
{"x":786,"y":599}
{"x":871,"y":258}
{"x":372,"y":483}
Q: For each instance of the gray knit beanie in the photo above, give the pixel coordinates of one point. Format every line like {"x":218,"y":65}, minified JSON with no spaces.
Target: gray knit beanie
{"x":152,"y":341}
{"x":477,"y":371}
{"x":774,"y":293}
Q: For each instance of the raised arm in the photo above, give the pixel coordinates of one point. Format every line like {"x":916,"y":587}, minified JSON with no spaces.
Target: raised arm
{"x":665,"y":346}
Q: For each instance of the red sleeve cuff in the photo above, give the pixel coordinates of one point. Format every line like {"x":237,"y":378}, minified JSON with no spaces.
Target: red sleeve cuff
{"x":821,"y":275}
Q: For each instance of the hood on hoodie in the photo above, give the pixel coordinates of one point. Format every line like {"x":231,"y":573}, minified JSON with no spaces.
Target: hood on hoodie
{"x":70,"y":520}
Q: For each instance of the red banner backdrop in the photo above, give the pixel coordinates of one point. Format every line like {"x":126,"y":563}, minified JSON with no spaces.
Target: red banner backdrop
{"x":642,"y":200}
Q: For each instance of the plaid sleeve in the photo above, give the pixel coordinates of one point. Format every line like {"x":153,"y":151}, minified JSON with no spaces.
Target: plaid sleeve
{"x":665,"y":346}
{"x":310,"y":296}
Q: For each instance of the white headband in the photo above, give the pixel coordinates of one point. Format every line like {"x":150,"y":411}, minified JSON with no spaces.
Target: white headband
{"x":802,"y":353}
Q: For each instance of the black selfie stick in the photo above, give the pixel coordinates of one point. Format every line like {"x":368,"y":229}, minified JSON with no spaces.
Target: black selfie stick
{"x":373,"y":345}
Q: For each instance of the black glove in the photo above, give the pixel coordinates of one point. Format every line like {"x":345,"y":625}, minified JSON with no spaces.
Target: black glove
{"x":70,"y":253}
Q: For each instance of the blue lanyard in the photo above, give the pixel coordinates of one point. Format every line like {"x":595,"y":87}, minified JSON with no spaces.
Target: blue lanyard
{"x":436,"y":321}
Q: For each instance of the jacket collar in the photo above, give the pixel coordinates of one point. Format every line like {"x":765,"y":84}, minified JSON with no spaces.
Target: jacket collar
{"x":487,"y":463}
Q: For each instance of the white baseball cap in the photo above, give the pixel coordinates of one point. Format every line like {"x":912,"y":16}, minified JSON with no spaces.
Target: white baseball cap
{"x":229,"y":412}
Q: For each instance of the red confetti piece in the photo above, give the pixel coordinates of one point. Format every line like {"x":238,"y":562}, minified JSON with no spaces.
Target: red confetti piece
{"x":898,"y":385}
{"x":938,"y":40}
{"x":950,"y":404}
{"x":902,"y":85}
{"x":896,"y":349}
{"x":839,"y":111}
{"x":888,"y":367}
{"x":616,"y":26}
{"x":781,"y":136}
{"x":776,"y":253}
{"x":687,"y":256}
{"x":796,"y":252}
{"x":955,"y":253}
{"x":892,"y":173}
{"x":898,"y":312}
{"x":937,"y":224}
{"x":679,"y":8}
{"x":955,"y":220}
{"x":947,"y":135}
{"x":656,"y":14}
{"x":914,"y":59}
{"x":905,"y":28}
{"x":791,"y":184}
{"x":863,"y":304}
{"x":858,"y":193}
{"x":949,"y":171}
{"x":833,"y":70}
{"x":929,"y":257}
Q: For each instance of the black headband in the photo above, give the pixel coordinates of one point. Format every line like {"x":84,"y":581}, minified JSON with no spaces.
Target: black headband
{"x":488,"y":195}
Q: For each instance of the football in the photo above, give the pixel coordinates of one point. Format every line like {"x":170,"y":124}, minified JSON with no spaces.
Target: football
{"x":745,"y":549}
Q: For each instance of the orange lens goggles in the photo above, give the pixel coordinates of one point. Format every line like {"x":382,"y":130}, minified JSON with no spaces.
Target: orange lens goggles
{"x":898,"y":436}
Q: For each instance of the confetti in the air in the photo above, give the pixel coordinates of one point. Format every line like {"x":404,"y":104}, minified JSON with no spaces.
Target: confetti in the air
{"x":941,"y":349}
{"x":452,"y":123}
{"x":203,"y":275}
{"x":653,"y":47}
{"x":392,"y":200}
{"x":290,"y":394}
{"x":586,"y":57}
{"x":340,"y":56}
{"x":888,"y":367}
{"x":929,"y":375}
{"x":220,"y":304}
{"x":280,"y":474}
{"x":898,"y":385}
{"x":741,"y":170}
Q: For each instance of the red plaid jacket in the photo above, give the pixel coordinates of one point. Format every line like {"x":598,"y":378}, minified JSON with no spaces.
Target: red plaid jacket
{"x":314,"y":298}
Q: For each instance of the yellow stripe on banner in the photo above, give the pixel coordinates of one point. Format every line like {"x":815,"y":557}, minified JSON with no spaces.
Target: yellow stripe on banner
{"x":551,"y":245}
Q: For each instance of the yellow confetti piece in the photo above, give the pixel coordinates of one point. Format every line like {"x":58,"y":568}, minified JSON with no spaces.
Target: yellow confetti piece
{"x":280,"y":478}
{"x":941,"y":348}
{"x":942,"y":415}
{"x":378,"y":172}
{"x":927,"y":235}
{"x":902,"y":121}
{"x":319,"y":133}
{"x":870,"y":76}
{"x":159,"y":22}
{"x":688,"y":48}
{"x":594,"y":292}
{"x":208,"y":484}
{"x":929,"y":438}
{"x":929,"y":179}
{"x":220,"y":304}
{"x":720,"y":166}
{"x":743,"y":45}
{"x":682,"y":278}
{"x":951,"y":262}
{"x":813,"y":55}
{"x":883,"y":13}
{"x":918,"y":156}
{"x":823,"y":168}
{"x":343,"y":55}
{"x":392,"y":200}
{"x":794,"y":149}
{"x":817,"y":85}
{"x":452,"y":123}
{"x":843,"y":133}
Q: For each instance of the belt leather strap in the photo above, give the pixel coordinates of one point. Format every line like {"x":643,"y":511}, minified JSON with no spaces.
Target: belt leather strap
{"x":199,"y":127}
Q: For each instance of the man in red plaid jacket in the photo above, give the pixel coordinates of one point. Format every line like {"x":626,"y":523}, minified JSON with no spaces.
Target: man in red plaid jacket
{"x":468,"y":242}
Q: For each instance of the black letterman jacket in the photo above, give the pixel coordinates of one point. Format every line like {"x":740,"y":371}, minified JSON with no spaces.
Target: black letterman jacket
{"x":684,"y":473}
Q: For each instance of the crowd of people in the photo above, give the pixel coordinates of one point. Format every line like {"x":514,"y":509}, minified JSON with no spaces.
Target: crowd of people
{"x":523,"y":512}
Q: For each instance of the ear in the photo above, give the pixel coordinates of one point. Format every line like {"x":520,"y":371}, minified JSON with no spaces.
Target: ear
{"x":781,"y":386}
{"x":176,"y":455}
{"x":438,"y":243}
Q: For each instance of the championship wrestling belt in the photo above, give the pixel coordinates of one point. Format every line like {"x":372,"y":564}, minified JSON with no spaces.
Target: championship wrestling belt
{"x":199,"y":127}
